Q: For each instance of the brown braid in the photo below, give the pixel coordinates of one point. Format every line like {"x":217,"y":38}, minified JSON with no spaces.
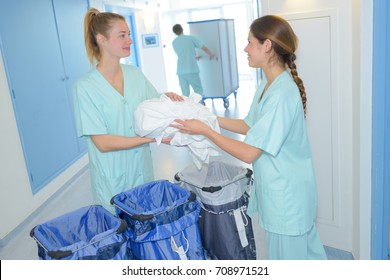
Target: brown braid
{"x":294,"y":73}
{"x":284,"y":42}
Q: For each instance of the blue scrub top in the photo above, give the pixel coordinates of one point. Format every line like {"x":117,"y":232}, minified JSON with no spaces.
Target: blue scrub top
{"x":100,"y":109}
{"x":285,"y":193}
{"x":185,"y":47}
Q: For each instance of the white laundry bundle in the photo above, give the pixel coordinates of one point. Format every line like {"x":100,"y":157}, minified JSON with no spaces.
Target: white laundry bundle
{"x":153,"y":117}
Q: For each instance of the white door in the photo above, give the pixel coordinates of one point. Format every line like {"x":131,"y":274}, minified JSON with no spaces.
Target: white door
{"x":317,"y":66}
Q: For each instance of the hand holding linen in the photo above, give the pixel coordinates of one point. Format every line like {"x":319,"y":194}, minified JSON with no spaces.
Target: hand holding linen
{"x":153,"y":118}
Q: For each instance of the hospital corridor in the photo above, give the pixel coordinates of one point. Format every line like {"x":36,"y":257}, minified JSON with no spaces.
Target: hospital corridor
{"x":51,"y":114}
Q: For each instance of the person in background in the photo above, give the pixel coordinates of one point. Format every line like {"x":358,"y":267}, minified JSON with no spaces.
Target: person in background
{"x":187,"y":66}
{"x":104,"y":101}
{"x":276,"y":143}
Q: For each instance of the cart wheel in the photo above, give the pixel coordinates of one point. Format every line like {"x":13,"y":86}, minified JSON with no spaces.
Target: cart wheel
{"x":226,"y":103}
{"x":235,"y":94}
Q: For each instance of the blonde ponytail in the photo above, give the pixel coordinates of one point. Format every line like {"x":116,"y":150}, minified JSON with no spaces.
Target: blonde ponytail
{"x":96,"y":23}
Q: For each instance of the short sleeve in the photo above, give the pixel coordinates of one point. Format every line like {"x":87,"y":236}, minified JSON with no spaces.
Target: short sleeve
{"x":89,"y":120}
{"x":136,"y":80}
{"x":151,"y":91}
{"x":198,"y":43}
{"x":273,"y":123}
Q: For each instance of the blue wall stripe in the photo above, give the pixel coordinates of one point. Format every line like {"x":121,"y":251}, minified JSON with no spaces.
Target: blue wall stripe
{"x":380,"y":132}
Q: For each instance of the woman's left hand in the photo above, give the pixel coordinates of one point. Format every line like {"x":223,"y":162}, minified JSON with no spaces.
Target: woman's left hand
{"x":174,"y":97}
{"x":166,"y":141}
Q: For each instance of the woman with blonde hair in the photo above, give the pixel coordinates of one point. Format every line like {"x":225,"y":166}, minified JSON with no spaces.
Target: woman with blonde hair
{"x":104,"y":101}
{"x":276,"y":143}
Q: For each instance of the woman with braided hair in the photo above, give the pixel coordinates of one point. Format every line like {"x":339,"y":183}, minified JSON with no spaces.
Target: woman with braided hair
{"x":276,"y":143}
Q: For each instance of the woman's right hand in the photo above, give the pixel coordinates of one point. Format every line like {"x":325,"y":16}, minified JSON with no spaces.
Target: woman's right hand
{"x":174,"y":96}
{"x":192,"y":126}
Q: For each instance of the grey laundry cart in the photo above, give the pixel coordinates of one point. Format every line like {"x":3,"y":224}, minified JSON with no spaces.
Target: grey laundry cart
{"x":219,"y":76}
{"x":223,"y":190}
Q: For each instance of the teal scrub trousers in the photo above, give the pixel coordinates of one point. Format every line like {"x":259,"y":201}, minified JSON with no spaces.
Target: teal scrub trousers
{"x":299,"y":247}
{"x":193,"y":80}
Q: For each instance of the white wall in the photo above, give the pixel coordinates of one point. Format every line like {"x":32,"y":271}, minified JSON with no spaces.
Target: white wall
{"x":362,"y":233}
{"x":152,"y":59}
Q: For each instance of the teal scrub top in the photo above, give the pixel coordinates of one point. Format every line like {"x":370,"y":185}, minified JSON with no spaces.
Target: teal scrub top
{"x":284,"y":193}
{"x":100,"y":109}
{"x":185,"y":47}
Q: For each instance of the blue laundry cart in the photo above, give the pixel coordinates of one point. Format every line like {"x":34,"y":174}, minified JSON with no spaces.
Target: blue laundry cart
{"x":223,"y":190}
{"x":162,"y":222}
{"x":89,"y":233}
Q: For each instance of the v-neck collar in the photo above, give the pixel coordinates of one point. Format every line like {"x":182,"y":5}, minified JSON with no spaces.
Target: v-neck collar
{"x":108,"y":85}
{"x":270,"y":86}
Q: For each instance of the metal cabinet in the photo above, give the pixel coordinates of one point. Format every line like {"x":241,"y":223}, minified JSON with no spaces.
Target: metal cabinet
{"x":219,"y":76}
{"x":43,"y":51}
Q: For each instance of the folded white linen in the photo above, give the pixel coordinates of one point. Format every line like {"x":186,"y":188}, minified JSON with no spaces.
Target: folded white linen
{"x":153,"y":117}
